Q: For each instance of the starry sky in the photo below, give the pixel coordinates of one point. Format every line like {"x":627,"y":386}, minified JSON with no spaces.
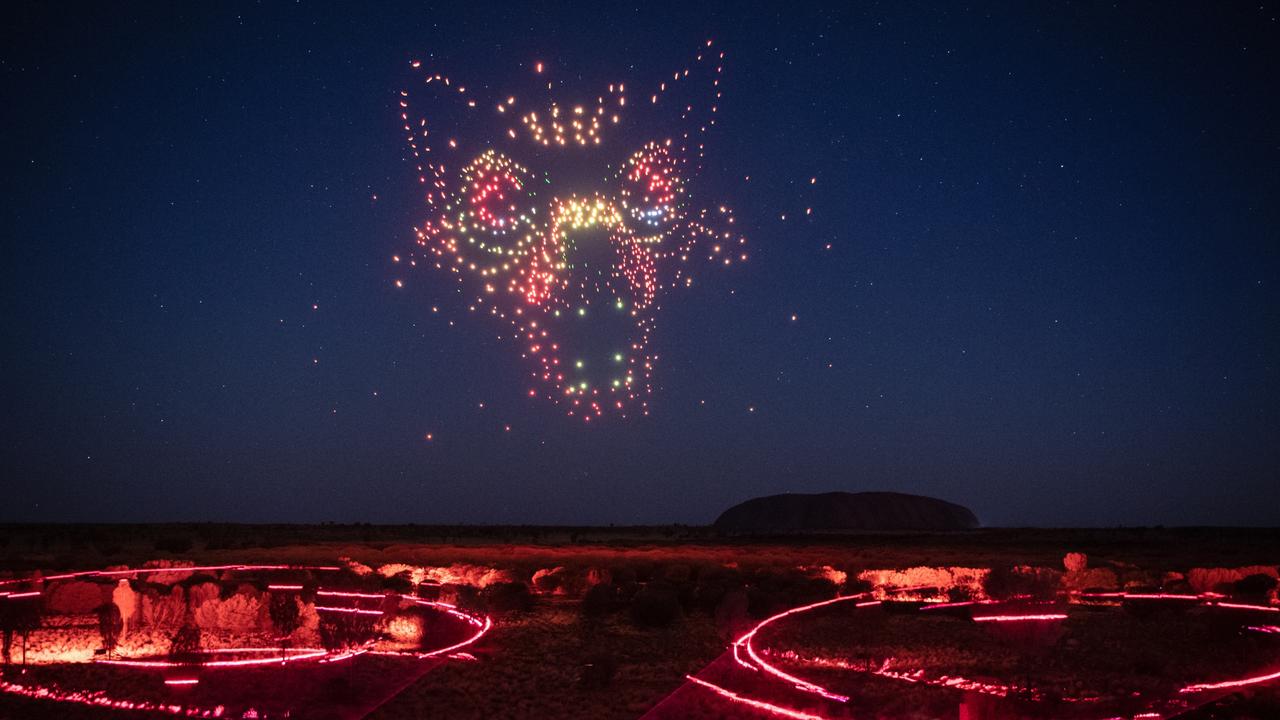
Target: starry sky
{"x":1039,"y":277}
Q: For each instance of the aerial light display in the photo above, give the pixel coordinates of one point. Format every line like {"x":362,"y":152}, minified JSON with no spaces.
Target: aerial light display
{"x":567,"y":219}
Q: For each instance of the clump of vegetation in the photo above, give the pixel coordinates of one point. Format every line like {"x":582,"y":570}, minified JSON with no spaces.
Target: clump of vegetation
{"x":184,"y":646}
{"x":1004,"y":583}
{"x":507,"y":597}
{"x":340,"y":631}
{"x":18,"y":617}
{"x":110,"y":625}
{"x":401,"y":583}
{"x":1255,"y":586}
{"x":283,"y":609}
{"x":657,"y":604}
{"x":600,"y":600}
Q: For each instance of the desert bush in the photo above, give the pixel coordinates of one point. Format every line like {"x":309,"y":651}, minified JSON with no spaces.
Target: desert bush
{"x":549,"y":580}
{"x":18,"y":617}
{"x":401,"y":583}
{"x":731,"y":614}
{"x":623,"y":574}
{"x":1004,"y":583}
{"x":285,"y":616}
{"x":600,"y":600}
{"x":764,"y":600}
{"x":811,"y":590}
{"x":657,"y":604}
{"x":184,"y":646}
{"x":507,"y":597}
{"x":708,"y":593}
{"x":677,"y":573}
{"x":199,"y":579}
{"x":339,"y":631}
{"x":1257,"y":585}
{"x":110,"y":625}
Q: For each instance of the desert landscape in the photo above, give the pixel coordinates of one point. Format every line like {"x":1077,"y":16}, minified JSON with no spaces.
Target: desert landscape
{"x":610,"y":622}
{"x":824,"y":360}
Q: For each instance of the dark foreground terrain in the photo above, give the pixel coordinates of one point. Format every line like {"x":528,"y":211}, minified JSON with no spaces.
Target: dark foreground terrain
{"x":607,"y":622}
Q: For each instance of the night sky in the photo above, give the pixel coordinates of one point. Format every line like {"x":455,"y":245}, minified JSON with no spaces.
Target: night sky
{"x":1050,"y":291}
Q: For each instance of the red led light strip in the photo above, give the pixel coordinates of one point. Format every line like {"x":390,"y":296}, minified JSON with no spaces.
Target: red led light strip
{"x":798,"y":683}
{"x":1209,"y":599}
{"x":150,"y":571}
{"x":274,"y":656}
{"x":778,"y":710}
{"x":1019,"y":618}
{"x":102,"y":700}
{"x":1231,"y":683}
{"x":354,"y":611}
{"x":344,"y":594}
{"x":482,"y":626}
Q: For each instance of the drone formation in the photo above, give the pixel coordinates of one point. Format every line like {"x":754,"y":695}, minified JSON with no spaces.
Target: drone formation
{"x":576,"y":255}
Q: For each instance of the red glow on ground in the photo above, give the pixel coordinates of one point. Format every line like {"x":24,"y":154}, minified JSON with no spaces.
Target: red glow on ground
{"x":271,"y":656}
{"x":103,"y":700}
{"x":1208,"y":600}
{"x":1019,"y":618}
{"x":1231,"y":683}
{"x":778,"y":710}
{"x":355,"y":611}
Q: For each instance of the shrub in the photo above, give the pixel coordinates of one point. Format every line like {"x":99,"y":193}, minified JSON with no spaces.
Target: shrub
{"x":339,"y":631}
{"x":657,"y":604}
{"x":184,"y":646}
{"x":506,"y":597}
{"x":401,"y":583}
{"x":283,"y":609}
{"x":677,"y":573}
{"x":20,"y":617}
{"x":1004,"y":583}
{"x":600,"y":600}
{"x":110,"y":625}
{"x":1255,"y":585}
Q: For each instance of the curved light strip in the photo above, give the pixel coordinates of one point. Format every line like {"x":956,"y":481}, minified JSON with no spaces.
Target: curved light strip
{"x":757,"y":704}
{"x":151,"y":571}
{"x":799,"y":683}
{"x":1019,"y":618}
{"x":276,"y":658}
{"x":103,"y":700}
{"x":1210,"y":600}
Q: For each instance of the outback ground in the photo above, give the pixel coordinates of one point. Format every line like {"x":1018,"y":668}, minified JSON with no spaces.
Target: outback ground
{"x":606,"y":622}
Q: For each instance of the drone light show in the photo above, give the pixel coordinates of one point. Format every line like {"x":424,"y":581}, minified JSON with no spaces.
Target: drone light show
{"x":641,"y":361}
{"x":556,"y":223}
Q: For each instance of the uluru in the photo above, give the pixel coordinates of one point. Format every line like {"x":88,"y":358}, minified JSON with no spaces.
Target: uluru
{"x":845,"y":512}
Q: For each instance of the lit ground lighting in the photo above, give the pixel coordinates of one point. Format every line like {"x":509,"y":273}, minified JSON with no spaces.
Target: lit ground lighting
{"x":329,"y":601}
{"x":748,"y":656}
{"x":267,"y":656}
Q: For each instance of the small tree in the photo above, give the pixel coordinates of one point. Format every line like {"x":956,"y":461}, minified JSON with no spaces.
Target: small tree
{"x":110,"y":625}
{"x":184,"y":647}
{"x":283,"y":608}
{"x":29,"y":618}
{"x":340,"y":630}
{"x":8,"y":624}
